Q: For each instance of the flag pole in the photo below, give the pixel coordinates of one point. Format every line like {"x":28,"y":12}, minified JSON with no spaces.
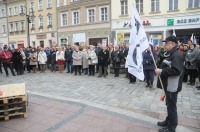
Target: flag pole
{"x":163,"y":96}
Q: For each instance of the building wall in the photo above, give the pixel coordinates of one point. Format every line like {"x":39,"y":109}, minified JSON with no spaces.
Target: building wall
{"x":16,"y":37}
{"x":158,"y":20}
{"x":97,"y":29}
{"x":47,"y":33}
{"x":3,"y":21}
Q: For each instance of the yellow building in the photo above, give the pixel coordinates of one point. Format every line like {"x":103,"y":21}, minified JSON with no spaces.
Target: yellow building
{"x":16,"y":24}
{"x":83,"y":22}
{"x":43,"y":28}
{"x":159,"y":18}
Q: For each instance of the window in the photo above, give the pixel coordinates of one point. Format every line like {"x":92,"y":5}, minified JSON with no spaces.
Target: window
{"x":124,"y":7}
{"x":173,"y":4}
{"x":22,"y":26}
{"x":74,"y":0}
{"x":64,"y":19}
{"x":11,"y":27}
{"x":91,"y":15}
{"x":193,"y":3}
{"x":58,"y":3}
{"x":40,"y":21}
{"x":32,"y":6}
{"x":103,"y":13}
{"x":75,"y":17}
{"x":3,"y":13}
{"x":32,"y":24}
{"x":154,"y":5}
{"x":4,"y":29}
{"x":49,"y":22}
{"x":139,"y":6}
{"x":49,"y":2}
{"x":16,"y":26}
{"x":65,"y":2}
{"x":21,"y":7}
{"x":40,"y":5}
{"x":10,"y":11}
{"x":16,"y":10}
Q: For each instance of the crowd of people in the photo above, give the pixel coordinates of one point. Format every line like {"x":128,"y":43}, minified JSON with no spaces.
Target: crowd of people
{"x":91,"y":60}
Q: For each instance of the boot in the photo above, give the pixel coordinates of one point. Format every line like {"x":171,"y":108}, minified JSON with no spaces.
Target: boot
{"x":151,"y":84}
{"x":147,"y":84}
{"x":33,"y":69}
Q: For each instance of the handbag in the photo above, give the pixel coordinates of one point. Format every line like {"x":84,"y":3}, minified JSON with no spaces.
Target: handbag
{"x":34,"y":59}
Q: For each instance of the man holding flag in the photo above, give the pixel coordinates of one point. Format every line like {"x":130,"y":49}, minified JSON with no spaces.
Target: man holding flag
{"x":170,"y":72}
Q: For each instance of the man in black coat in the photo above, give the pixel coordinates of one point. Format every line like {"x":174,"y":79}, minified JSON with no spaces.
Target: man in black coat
{"x":116,"y":59}
{"x":103,"y":61}
{"x":68,"y":58}
{"x":18,"y":62}
{"x":170,"y":72}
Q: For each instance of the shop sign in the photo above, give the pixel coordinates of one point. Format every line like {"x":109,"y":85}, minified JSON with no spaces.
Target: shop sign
{"x":41,"y":36}
{"x":120,"y":37}
{"x":183,"y":20}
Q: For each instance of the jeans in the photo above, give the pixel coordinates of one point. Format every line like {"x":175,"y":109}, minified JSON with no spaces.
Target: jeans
{"x":86,"y":71}
{"x":0,"y":66}
{"x":91,"y":69}
{"x":172,"y":116}
{"x":70,"y":67}
{"x":53,"y":67}
{"x":6,"y":66}
{"x":77,"y":68}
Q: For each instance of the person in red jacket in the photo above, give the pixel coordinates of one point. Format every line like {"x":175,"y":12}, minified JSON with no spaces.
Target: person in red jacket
{"x":6,"y":57}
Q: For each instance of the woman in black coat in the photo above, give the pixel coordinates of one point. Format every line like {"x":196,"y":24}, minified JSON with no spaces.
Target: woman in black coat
{"x":52,"y":60}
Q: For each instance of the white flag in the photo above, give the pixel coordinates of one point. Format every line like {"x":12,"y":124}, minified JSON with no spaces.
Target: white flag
{"x":115,"y":42}
{"x":151,"y":39}
{"x":138,"y":43}
{"x":192,"y":38}
{"x":195,"y":40}
{"x":174,"y":33}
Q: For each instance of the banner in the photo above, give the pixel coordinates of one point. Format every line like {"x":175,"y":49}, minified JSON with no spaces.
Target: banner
{"x":120,"y":37}
{"x":138,"y":43}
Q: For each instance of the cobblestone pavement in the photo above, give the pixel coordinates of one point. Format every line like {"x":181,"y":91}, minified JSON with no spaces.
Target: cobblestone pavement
{"x":115,"y":93}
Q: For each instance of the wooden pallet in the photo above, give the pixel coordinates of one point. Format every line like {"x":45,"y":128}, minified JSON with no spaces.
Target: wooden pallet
{"x":6,"y":118}
{"x":13,"y":101}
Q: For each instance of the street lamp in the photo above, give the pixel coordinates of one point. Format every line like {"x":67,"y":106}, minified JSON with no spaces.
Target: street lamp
{"x":28,"y":18}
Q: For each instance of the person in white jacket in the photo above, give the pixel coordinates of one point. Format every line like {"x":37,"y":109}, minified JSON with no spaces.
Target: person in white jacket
{"x":42,"y":59}
{"x":92,"y":60}
{"x":60,"y":58}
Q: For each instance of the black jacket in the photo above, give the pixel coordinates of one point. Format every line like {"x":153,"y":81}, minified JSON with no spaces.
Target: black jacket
{"x":116,"y":56}
{"x":17,"y":58}
{"x":51,"y":59}
{"x":172,"y":69}
{"x":103,"y":57}
{"x":68,"y":54}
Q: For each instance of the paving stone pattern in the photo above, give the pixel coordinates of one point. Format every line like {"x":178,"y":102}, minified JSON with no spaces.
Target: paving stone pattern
{"x":115,"y":92}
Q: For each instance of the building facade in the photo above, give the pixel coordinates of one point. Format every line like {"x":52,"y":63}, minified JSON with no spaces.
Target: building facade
{"x":83,"y":21}
{"x":43,"y":26}
{"x":16,"y":24}
{"x":159,"y":18}
{"x":3,"y":24}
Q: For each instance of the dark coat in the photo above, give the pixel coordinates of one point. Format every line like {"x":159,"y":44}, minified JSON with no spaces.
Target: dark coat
{"x":68,"y":54}
{"x":17,"y":58}
{"x":172,"y":69}
{"x":51,"y":59}
{"x":27,"y":53}
{"x":117,"y":57}
{"x":103,"y":57}
{"x":148,"y":63}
